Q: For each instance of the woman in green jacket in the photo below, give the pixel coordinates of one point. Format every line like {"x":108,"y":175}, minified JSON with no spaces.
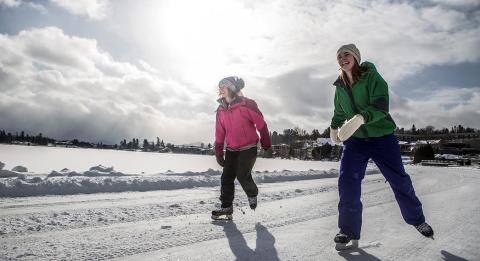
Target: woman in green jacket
{"x":363,"y":123}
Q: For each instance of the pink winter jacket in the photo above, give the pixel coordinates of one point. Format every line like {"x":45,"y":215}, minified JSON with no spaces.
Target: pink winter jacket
{"x":237,"y":124}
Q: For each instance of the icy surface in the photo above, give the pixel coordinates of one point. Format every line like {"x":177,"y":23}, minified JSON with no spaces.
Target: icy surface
{"x":296,"y":218}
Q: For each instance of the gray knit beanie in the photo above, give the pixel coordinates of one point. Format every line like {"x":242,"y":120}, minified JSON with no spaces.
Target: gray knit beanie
{"x":234,"y":83}
{"x":351,"y":48}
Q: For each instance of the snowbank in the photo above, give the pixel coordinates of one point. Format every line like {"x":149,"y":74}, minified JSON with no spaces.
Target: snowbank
{"x":12,"y":173}
{"x":100,"y":179}
{"x":9,"y":174}
{"x":20,"y":169}
{"x":11,"y":187}
{"x":95,"y":171}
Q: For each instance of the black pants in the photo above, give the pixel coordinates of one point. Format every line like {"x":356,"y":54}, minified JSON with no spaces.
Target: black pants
{"x":238,"y":164}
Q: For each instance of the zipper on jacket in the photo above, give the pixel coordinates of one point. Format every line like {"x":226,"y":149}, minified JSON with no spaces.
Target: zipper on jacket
{"x":354,"y":106}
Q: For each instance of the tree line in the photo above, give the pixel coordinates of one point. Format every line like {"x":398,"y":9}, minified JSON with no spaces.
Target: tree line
{"x":288,"y":136}
{"x":431,"y":130}
{"x":22,"y":137}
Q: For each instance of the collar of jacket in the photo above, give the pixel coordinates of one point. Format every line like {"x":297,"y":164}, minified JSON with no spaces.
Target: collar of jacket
{"x":239,"y":100}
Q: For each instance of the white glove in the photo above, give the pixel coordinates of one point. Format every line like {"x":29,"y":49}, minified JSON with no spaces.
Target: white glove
{"x":350,"y":127}
{"x":334,"y":136}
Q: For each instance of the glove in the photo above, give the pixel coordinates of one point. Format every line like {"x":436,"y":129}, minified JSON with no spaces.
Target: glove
{"x":221,"y":161}
{"x":268,"y":153}
{"x":350,"y":127}
{"x":334,"y":136}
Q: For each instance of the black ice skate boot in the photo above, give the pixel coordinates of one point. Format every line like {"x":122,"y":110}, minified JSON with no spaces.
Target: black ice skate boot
{"x":343,"y":242}
{"x":425,"y":229}
{"x":222,"y":213}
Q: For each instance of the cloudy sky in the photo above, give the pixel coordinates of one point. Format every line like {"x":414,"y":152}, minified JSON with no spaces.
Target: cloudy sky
{"x":101,"y":70}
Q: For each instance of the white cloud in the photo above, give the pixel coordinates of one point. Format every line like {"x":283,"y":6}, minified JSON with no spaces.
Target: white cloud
{"x":202,"y":41}
{"x":11,"y":3}
{"x":18,"y":3}
{"x":459,"y":3}
{"x":93,"y":9}
{"x":445,"y":107}
{"x":285,"y":50}
{"x":443,"y":19}
{"x":66,"y":86}
{"x":400,"y":38}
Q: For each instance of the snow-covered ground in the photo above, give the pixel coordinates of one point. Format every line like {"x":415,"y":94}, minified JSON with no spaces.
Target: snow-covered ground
{"x":295,"y":220}
{"x":45,"y":159}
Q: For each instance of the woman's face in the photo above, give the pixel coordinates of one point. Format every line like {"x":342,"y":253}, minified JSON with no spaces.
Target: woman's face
{"x":346,"y":61}
{"x":223,"y":91}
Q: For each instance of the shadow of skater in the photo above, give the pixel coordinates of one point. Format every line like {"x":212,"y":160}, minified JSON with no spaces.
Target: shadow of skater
{"x":265,"y":244}
{"x":357,"y":254}
{"x":447,"y":256}
{"x":265,"y":249}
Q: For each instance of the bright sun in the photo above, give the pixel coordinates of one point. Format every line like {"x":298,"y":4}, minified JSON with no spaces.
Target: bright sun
{"x":207,"y":37}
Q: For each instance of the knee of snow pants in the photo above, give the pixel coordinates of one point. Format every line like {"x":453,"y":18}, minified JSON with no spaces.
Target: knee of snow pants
{"x":246,"y":161}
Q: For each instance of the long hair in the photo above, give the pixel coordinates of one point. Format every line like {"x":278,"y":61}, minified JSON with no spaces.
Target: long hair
{"x":232,"y":95}
{"x":357,"y":73}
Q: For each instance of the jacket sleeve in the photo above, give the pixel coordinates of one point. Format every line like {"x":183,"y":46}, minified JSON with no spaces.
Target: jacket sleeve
{"x":257,"y":118}
{"x":339,"y":115}
{"x":219,"y":136}
{"x":379,"y":100}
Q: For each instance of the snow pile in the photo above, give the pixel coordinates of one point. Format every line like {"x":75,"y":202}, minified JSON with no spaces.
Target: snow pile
{"x":287,"y":175}
{"x":20,"y":169}
{"x":100,"y":179}
{"x":68,"y":185}
{"x":209,"y":172}
{"x":95,"y":171}
{"x":63,"y":173}
{"x":12,"y":173}
{"x":101,"y":171}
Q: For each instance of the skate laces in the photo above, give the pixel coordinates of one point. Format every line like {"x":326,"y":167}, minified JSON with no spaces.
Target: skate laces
{"x":424,"y":227}
{"x":252,"y":200}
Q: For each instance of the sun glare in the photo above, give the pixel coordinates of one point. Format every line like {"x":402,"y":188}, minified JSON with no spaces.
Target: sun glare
{"x":207,"y":37}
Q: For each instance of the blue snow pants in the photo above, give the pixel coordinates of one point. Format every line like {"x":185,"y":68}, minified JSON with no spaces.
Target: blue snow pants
{"x":385,"y":152}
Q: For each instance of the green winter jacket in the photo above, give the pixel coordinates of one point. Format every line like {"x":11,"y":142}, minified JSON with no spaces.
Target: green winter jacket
{"x":368,"y":97}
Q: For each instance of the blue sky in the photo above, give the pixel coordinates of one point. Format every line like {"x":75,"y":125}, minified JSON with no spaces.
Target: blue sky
{"x":103,"y":70}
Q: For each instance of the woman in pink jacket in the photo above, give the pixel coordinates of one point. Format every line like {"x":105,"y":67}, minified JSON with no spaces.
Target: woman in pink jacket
{"x":238,"y":119}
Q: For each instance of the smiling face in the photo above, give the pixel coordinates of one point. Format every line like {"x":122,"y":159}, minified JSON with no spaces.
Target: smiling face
{"x":346,"y":61}
{"x":224,"y":92}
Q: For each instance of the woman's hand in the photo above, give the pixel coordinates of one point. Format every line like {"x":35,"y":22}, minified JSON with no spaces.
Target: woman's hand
{"x":220,"y":161}
{"x":334,"y":136}
{"x":350,"y":127}
{"x":267,"y":152}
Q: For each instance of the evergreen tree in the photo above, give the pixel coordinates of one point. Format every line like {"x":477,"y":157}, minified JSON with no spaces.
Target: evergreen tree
{"x":315,"y":134}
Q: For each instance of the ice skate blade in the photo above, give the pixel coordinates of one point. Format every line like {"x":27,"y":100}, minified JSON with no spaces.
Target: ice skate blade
{"x":222,"y":217}
{"x":346,"y":246}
